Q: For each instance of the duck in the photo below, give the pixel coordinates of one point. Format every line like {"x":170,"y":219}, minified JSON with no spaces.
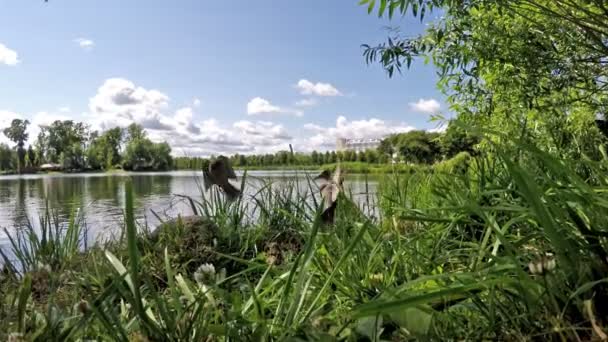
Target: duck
{"x":218,"y":173}
{"x":330,"y":188}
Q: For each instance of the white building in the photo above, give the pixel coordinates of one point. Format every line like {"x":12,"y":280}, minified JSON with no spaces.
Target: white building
{"x":357,"y":145}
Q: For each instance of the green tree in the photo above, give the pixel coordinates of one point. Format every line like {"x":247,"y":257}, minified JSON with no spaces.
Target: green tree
{"x":417,"y":146}
{"x":61,"y":137}
{"x":508,"y":65}
{"x":31,"y":154}
{"x":105,"y":151}
{"x":361,"y":157}
{"x":6,"y":158}
{"x":371,"y":156}
{"x":143,"y":154}
{"x":135,"y":131}
{"x":17,"y":132}
{"x":333,"y":157}
{"x":315,"y":157}
{"x":457,"y":139}
{"x":73,"y":157}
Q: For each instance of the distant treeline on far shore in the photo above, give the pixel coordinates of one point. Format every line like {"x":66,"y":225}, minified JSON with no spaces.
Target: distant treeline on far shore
{"x":70,"y":146}
{"x":414,"y":147}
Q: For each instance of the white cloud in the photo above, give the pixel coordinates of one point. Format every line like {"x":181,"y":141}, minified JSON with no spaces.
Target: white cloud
{"x":64,"y":109}
{"x":259,"y":105}
{"x":85,"y":43}
{"x":119,"y":102}
{"x":307,"y":102}
{"x":196,"y":102}
{"x":325,"y":137}
{"x":430,"y":106}
{"x":320,"y":89}
{"x":243,"y":137}
{"x":8,"y":56}
{"x":263,"y":129}
{"x":183,"y":117}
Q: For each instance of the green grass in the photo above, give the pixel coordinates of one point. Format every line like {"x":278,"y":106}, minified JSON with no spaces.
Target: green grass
{"x":446,"y":260}
{"x":352,"y":167}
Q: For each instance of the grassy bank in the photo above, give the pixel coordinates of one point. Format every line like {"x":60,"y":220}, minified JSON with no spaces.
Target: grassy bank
{"x":457,"y":253}
{"x":351,"y":167}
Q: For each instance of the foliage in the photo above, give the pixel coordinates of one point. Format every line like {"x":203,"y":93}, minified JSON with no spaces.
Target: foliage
{"x":17,"y":132}
{"x":414,"y":146}
{"x":457,"y":139}
{"x":520,"y":66}
{"x":63,"y":142}
{"x":74,"y":148}
{"x":104,"y":152}
{"x":7,"y":158}
{"x":143,"y":154}
{"x":286,"y":160}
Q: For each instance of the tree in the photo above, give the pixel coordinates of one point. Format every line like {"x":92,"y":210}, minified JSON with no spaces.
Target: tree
{"x":105,"y":151}
{"x":73,"y":157}
{"x":17,"y":132}
{"x":60,"y":138}
{"x":386,"y":147}
{"x":135,"y":131}
{"x":415,"y":146}
{"x":241,"y":160}
{"x":508,"y":65}
{"x":315,"y":157}
{"x":371,"y":156}
{"x":6,"y":158}
{"x":361,"y":157}
{"x":457,"y":139}
{"x":113,"y":139}
{"x":31,"y":154}
{"x":143,"y":154}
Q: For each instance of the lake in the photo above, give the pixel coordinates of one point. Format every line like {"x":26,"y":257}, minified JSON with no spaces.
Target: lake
{"x":100,"y":196}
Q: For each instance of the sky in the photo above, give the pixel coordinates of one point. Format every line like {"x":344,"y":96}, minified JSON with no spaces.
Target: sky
{"x":211,"y":77}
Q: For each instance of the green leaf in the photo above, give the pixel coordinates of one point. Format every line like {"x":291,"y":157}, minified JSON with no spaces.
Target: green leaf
{"x":382,"y":7}
{"x":181,"y":283}
{"x":370,"y":7}
{"x":120,"y":269}
{"x":370,"y":327}
{"x":414,"y":319}
{"x":24,"y":295}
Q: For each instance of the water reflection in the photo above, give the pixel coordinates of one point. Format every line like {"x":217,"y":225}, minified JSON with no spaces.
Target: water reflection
{"x":100,"y":197}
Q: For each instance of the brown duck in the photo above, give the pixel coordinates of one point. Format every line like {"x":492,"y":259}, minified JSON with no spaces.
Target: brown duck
{"x":331,"y":187}
{"x":218,"y":173}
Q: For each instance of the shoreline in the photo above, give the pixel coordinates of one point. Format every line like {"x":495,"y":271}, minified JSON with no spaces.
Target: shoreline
{"x":349,"y":167}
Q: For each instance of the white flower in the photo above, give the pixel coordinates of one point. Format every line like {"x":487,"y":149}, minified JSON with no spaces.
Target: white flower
{"x":43,"y":267}
{"x":205,"y":274}
{"x":15,"y":337}
{"x":543,"y":265}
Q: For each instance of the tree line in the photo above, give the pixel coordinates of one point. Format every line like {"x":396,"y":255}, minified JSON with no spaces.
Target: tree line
{"x":417,"y":147}
{"x":72,"y":146}
{"x":286,"y":158}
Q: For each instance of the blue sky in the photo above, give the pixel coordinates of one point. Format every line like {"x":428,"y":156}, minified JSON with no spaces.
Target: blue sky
{"x":210,"y":76}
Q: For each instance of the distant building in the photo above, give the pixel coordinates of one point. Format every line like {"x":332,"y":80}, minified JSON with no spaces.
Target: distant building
{"x":51,"y":167}
{"x":357,"y":145}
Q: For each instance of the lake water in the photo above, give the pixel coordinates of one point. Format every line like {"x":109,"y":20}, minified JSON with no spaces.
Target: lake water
{"x":100,"y":196}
